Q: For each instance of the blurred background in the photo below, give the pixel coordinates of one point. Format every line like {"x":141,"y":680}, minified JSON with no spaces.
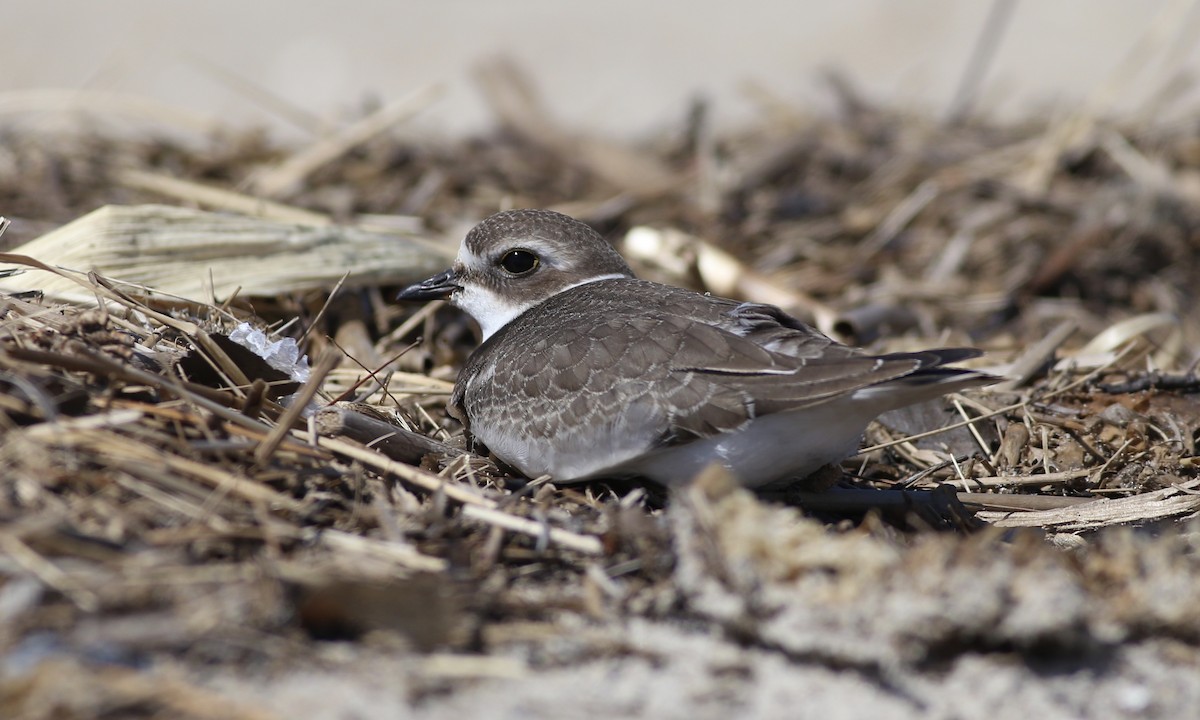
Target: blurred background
{"x":617,"y":66}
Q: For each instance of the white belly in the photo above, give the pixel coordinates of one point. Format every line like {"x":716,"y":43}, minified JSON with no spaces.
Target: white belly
{"x":770,"y":448}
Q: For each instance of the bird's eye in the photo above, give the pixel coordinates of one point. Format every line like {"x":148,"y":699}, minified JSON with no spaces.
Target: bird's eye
{"x":519,"y":262}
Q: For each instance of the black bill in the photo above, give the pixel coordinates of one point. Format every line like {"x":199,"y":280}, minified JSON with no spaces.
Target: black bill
{"x":437,"y":287}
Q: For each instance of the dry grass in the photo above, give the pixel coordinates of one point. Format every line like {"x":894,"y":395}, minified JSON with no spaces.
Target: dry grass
{"x":162,"y":512}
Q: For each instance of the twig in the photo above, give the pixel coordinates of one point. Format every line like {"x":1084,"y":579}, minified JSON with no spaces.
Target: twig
{"x":93,"y":362}
{"x":1052,"y":478}
{"x":984,"y":52}
{"x":395,"y":442}
{"x":900,"y":216}
{"x":392,"y":551}
{"x":587,"y":544}
{"x":414,"y":476}
{"x":514,"y":99}
{"x":103,"y":286}
{"x":372,"y":374}
{"x":101,"y":421}
{"x":324,"y":307}
{"x":260,"y":94}
{"x":1012,"y":502}
{"x":983,"y":448}
{"x":1036,"y":357}
{"x":1102,"y":512}
{"x":328,"y":361}
{"x":222,"y":480}
{"x":218,"y":198}
{"x":413,"y":321}
{"x":291,"y":173}
{"x":1186,"y":383}
{"x":47,"y":572}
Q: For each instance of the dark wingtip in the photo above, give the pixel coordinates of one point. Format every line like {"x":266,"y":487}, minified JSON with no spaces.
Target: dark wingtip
{"x":947,"y":356}
{"x":931,"y":367}
{"x":937,"y":356}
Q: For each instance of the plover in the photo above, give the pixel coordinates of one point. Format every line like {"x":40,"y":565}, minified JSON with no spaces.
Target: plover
{"x":587,"y":372}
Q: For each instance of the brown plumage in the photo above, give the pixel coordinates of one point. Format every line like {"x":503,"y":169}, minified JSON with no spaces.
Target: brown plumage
{"x":587,"y":371}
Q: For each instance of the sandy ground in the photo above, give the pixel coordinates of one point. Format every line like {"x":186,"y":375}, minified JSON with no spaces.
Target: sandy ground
{"x":944,"y":629}
{"x":692,"y":675}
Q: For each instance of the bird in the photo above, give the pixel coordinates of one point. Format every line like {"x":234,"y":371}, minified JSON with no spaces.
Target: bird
{"x":585,"y":372}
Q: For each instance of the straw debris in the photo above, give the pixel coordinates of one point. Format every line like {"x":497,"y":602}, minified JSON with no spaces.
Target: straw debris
{"x":179,"y":528}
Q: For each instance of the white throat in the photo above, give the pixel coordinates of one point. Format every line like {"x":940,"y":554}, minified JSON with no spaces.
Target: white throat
{"x":493,"y":310}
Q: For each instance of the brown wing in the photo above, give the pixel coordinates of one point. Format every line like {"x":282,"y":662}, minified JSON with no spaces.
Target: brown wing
{"x":678,"y":367}
{"x":741,"y":380}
